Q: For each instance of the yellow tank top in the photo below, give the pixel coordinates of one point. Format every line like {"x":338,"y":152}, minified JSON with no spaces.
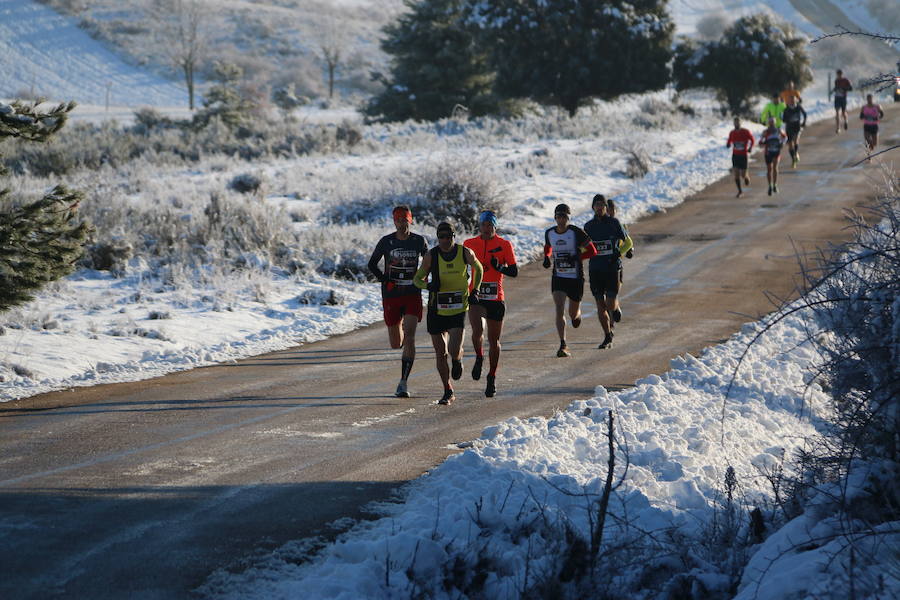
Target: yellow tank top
{"x":453,"y":297}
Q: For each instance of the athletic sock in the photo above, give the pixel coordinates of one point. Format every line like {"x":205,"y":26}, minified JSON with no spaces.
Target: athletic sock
{"x":406,"y":366}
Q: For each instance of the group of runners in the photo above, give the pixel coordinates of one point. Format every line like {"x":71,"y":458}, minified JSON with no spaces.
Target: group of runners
{"x":786,"y":108}
{"x":467,"y":279}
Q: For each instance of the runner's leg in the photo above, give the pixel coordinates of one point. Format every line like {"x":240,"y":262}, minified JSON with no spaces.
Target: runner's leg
{"x":409,"y":345}
{"x":602,"y":313}
{"x":439,"y":341}
{"x":476,"y":321}
{"x":559,"y":300}
{"x":455,"y":345}
{"x":494,"y":329}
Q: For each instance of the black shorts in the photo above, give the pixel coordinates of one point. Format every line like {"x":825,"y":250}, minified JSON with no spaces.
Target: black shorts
{"x":793,"y":131}
{"x":443,"y":323}
{"x":739,"y":161}
{"x":870,"y":128}
{"x":605,"y":284}
{"x":772,"y":157}
{"x":573,"y":288}
{"x":494,"y":310}
{"x":840,"y":103}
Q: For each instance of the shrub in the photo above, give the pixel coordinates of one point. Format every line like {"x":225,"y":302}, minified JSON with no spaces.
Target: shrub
{"x":245,"y":183}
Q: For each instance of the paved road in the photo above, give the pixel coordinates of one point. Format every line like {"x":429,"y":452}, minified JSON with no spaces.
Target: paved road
{"x":142,"y":489}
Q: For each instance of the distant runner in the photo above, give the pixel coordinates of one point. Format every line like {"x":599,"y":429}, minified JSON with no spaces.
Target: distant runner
{"x":498,"y":260}
{"x":791,"y":92}
{"x":871,"y":115}
{"x":773,"y":109}
{"x":605,"y":267}
{"x":401,"y":300}
{"x":568,"y":245}
{"x":772,"y":139}
{"x":740,"y":140}
{"x":842,"y":86}
{"x":448,"y":264}
{"x":794,"y":121}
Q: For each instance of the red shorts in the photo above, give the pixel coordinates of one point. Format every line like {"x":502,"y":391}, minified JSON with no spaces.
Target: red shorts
{"x":395,"y":308}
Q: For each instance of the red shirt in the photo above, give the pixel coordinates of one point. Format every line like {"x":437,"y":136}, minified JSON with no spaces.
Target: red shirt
{"x":492,"y":281}
{"x":741,"y":140}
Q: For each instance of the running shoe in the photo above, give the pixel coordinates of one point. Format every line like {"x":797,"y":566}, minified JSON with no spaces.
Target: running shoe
{"x":563,"y":352}
{"x":775,"y":188}
{"x":447,"y":398}
{"x":746,"y":181}
{"x":476,"y":368}
{"x":845,"y":126}
{"x":794,"y":163}
{"x":739,"y":194}
{"x":490,"y":389}
{"x":402,"y":392}
{"x":607,"y":341}
{"x":770,"y":190}
{"x":456,"y":369}
{"x":617,"y":315}
{"x":576,"y":322}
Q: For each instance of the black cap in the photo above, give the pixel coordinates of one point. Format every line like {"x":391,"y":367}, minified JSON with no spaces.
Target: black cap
{"x":562,"y":209}
{"x":598,"y":198}
{"x":445,"y":226}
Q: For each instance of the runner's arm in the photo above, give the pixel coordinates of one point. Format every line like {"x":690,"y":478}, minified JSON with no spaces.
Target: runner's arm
{"x":802,"y":112}
{"x":376,"y":257}
{"x":422,"y":273}
{"x":626,"y":244}
{"x":477,"y":269}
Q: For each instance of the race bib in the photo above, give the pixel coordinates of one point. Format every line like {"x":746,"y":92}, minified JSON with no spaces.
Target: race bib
{"x":740,"y":145}
{"x":840,"y":93}
{"x":449,"y":300}
{"x":401,"y":277}
{"x":604,"y":247}
{"x":488,"y":290}
{"x":566,"y":265}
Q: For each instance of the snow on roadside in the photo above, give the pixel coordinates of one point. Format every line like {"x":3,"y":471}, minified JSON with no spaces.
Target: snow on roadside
{"x":671,"y":427}
{"x":46,"y":54}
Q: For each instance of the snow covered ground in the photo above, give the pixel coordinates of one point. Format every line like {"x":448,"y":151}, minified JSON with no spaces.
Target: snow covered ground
{"x":501,"y":508}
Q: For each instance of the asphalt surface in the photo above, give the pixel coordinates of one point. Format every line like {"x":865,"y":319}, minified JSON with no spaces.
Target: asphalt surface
{"x":141,"y":490}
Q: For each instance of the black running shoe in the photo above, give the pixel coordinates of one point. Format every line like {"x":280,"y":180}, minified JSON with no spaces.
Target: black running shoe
{"x":563,"y":351}
{"x":456,"y":369}
{"x":607,"y":341}
{"x":617,"y":315}
{"x":490,"y":389}
{"x":476,"y":368}
{"x":447,"y":398}
{"x":576,"y":322}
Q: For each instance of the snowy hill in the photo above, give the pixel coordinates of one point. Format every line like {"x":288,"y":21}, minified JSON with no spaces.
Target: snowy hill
{"x":44,"y":53}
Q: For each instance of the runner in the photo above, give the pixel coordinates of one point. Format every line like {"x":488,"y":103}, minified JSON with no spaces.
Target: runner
{"x":791,"y":92}
{"x":871,"y":114}
{"x":568,"y":245}
{"x":497,"y":259}
{"x":402,"y":301}
{"x":605,"y":267}
{"x":773,"y":110}
{"x":842,"y":85}
{"x":772,"y":140}
{"x":794,"y":120}
{"x":741,"y":142}
{"x":449,"y":264}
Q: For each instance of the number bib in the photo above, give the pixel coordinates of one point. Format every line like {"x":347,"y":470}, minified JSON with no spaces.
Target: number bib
{"x":604,"y":247}
{"x":401,"y":276}
{"x":489,"y":290}
{"x":449,"y":300}
{"x":740,"y":145}
{"x":566,"y":265}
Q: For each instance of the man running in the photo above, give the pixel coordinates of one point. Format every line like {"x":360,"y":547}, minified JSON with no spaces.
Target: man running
{"x":604,"y":268}
{"x":772,"y":139}
{"x":448,"y":263}
{"x":871,"y":115}
{"x":740,"y":140}
{"x":791,"y":92}
{"x":794,"y":120}
{"x":773,"y":109}
{"x":568,"y":245}
{"x":401,"y":300}
{"x":498,"y":260}
{"x":842,"y":86}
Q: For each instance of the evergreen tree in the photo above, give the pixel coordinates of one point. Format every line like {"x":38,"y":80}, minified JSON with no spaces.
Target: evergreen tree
{"x":756,"y":55}
{"x":224,"y":100}
{"x":566,"y":51}
{"x":40,"y":241}
{"x":436,"y":64}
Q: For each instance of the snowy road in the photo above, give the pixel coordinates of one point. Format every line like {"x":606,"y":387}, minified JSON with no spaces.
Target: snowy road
{"x":143,"y":489}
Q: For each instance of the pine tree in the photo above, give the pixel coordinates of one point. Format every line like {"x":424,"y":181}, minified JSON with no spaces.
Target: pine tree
{"x":437,"y":64}
{"x":39,"y":241}
{"x":756,"y":55}
{"x":567,"y":51}
{"x":224,"y":100}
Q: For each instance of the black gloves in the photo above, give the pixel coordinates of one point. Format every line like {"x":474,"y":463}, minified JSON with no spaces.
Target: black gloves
{"x":433,"y":286}
{"x":630,"y":253}
{"x":546,"y":262}
{"x":495,"y":263}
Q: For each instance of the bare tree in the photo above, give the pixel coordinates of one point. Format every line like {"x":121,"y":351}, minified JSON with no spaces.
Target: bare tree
{"x":332,"y":45}
{"x":182,"y":35}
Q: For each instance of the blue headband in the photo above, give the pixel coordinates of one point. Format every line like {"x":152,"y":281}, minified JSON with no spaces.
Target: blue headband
{"x":488,"y":216}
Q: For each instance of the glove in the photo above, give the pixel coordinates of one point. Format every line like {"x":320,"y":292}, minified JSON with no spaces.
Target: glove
{"x":495,"y":263}
{"x":473,"y":297}
{"x":433,"y":286}
{"x":630,"y":253}
{"x":546,"y":262}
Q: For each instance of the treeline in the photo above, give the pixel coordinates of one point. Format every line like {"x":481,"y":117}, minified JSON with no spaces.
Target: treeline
{"x":486,"y":57}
